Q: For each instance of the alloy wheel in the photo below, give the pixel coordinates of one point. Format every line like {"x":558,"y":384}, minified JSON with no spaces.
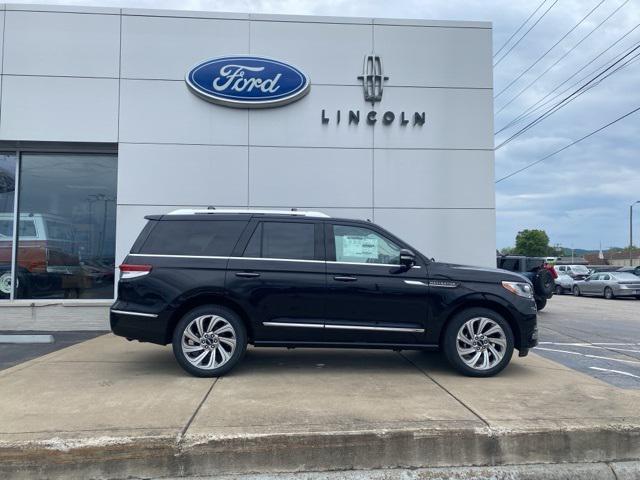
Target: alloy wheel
{"x":481,"y":343}
{"x":208,"y":341}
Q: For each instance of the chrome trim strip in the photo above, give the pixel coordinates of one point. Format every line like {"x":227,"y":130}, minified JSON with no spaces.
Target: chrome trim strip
{"x":343,"y":327}
{"x":298,"y":325}
{"x":377,"y":329}
{"x":278,"y":259}
{"x":158,"y":255}
{"x":415,"y":282}
{"x":138,"y":314}
{"x":370,"y":264}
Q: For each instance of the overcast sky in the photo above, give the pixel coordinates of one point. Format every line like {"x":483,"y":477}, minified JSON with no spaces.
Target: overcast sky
{"x":581,"y":196}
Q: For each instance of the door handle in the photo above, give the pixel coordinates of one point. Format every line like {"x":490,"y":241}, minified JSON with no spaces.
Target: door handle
{"x":247,"y":274}
{"x":345,"y":279}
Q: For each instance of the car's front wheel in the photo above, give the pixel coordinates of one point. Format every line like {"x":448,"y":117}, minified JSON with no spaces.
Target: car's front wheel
{"x":209,"y":341}
{"x":478,"y":342}
{"x":576,"y":291}
{"x":559,"y":290}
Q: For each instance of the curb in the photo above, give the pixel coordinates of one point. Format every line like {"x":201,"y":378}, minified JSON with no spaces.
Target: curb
{"x":157,"y":456}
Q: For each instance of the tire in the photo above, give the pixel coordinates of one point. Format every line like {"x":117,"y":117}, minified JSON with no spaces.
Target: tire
{"x":608,"y":293}
{"x":576,"y":291}
{"x":218,"y":354}
{"x":472,"y":319}
{"x":541,"y":302}
{"x":5,"y":284}
{"x":559,"y":290}
{"x":543,"y":283}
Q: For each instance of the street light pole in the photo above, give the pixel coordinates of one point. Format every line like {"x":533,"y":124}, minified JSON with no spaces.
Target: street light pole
{"x":631,"y":232}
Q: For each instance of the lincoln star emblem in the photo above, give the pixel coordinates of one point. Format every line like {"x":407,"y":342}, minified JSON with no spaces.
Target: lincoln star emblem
{"x":372,"y":78}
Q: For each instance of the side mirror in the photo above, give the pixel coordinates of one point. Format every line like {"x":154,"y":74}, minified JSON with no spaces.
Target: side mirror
{"x":407,"y":258}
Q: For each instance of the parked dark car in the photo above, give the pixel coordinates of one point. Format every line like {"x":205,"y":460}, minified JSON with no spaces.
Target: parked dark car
{"x":541,"y":275}
{"x":212,"y":281}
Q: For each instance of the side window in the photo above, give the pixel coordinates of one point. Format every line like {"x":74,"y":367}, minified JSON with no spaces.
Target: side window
{"x":361,"y":245}
{"x":289,"y":240}
{"x":605,"y":277}
{"x":194,"y":237}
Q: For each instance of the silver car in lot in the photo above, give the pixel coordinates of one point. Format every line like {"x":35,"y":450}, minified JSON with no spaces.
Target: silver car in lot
{"x":609,"y":285}
{"x":564,"y":283}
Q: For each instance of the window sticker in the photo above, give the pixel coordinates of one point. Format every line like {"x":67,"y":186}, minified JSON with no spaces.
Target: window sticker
{"x":360,"y":246}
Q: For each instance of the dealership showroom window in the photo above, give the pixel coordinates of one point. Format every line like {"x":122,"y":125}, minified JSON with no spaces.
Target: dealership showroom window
{"x":65,"y":207}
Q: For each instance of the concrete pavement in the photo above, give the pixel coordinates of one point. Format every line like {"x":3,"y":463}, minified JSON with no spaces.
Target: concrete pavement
{"x":108,"y":408}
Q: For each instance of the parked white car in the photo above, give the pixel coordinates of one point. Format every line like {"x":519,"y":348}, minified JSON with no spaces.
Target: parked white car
{"x":564,"y":284}
{"x":577,"y":272}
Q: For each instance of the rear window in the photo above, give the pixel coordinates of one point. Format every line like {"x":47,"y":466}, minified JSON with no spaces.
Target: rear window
{"x":282,"y":240}
{"x":193,"y":237}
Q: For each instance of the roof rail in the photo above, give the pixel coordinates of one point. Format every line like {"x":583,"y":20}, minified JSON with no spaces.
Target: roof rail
{"x":250,"y":211}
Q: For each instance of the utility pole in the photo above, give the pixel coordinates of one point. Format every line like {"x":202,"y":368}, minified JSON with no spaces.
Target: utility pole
{"x":631,"y":232}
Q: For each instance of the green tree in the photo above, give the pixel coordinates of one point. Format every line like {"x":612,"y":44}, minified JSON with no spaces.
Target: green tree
{"x":532,"y":243}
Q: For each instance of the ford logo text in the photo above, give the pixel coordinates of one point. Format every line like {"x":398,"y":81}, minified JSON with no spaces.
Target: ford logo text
{"x":247,"y":82}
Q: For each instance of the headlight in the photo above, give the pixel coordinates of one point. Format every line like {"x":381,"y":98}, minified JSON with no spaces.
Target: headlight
{"x":519,"y":288}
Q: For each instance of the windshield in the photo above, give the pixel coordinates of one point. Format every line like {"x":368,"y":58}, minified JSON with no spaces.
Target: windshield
{"x":580,"y":269}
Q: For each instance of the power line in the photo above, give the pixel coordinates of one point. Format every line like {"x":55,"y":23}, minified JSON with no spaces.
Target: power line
{"x":565,"y":101}
{"x":525,"y":34}
{"x":519,"y":28}
{"x":565,"y":55}
{"x":549,"y":50}
{"x":536,"y":106}
{"x":568,"y":146}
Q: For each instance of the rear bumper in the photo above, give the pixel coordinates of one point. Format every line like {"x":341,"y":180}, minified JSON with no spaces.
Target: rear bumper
{"x":626,"y":292}
{"x":137,"y":325}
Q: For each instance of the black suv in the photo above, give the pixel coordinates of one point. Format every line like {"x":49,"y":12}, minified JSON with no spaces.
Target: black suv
{"x":211,"y":281}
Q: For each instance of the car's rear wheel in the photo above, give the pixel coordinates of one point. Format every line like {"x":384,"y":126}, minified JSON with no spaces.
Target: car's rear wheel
{"x":543,"y":283}
{"x":608,"y":293}
{"x":576,"y":291}
{"x":478,"y":342}
{"x":209,"y":341}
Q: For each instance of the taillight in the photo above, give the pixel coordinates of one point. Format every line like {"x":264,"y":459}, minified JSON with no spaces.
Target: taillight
{"x":133,"y":271}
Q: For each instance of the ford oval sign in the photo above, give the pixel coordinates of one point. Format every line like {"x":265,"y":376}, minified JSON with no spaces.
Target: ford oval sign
{"x":247,"y":82}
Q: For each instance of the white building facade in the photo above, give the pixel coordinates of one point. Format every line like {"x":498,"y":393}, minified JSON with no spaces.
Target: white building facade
{"x":98,"y":128}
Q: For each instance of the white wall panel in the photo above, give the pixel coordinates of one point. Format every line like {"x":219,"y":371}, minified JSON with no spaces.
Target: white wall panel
{"x":435,"y":56}
{"x":182,"y":174}
{"x":307,"y":177}
{"x":67,"y":44}
{"x":328,"y":53}
{"x":300,"y":124}
{"x":59,"y":109}
{"x":434,"y":178}
{"x":154,"y":111}
{"x":455,"y":118}
{"x":458,"y":236}
{"x":166,"y":48}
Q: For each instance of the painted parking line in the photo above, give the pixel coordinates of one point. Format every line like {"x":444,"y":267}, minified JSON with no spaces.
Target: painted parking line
{"x":593,"y":345}
{"x":569,"y":352}
{"x":615,"y":371}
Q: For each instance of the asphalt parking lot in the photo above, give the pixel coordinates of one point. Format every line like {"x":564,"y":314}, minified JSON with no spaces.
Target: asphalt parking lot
{"x":594,"y":336}
{"x":15,"y":353}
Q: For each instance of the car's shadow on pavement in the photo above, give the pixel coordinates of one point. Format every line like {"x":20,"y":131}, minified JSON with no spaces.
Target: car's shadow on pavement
{"x":318,"y":361}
